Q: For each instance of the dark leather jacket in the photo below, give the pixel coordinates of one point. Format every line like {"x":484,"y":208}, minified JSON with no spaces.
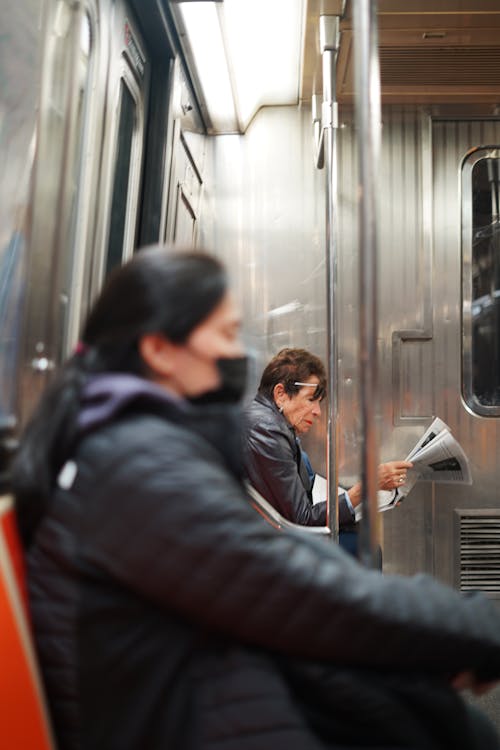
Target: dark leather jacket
{"x":274,"y":466}
{"x":165,"y":607}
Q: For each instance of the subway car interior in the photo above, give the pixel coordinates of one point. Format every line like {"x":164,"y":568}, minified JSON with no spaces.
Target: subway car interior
{"x":342,"y":158}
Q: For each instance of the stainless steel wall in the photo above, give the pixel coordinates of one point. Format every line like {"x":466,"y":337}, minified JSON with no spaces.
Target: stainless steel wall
{"x":480,"y":436}
{"x":405,"y":377}
{"x":424,"y":289}
{"x":263,"y":211}
{"x":19,"y":87}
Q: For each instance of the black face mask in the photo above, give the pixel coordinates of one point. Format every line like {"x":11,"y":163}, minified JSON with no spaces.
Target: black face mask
{"x":233,"y":375}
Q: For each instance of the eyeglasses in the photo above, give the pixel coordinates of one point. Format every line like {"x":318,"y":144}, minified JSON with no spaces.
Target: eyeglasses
{"x":319,"y":392}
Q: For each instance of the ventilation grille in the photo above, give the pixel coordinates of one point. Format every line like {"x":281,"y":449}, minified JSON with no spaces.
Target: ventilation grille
{"x":479,"y":552}
{"x":440,"y":66}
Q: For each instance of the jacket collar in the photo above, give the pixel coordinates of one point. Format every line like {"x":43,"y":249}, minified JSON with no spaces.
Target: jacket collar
{"x":268,"y":402}
{"x":108,"y":395}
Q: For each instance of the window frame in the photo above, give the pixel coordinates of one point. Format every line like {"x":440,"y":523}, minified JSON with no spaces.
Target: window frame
{"x":469,"y":161}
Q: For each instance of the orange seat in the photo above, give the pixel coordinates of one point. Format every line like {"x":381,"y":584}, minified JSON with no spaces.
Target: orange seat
{"x":23,"y":715}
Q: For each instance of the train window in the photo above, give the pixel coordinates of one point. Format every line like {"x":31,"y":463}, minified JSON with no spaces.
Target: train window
{"x":481,"y":280}
{"x":118,"y":218}
{"x":122,"y":147}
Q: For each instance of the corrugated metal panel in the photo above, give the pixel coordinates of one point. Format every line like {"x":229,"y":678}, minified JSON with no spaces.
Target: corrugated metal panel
{"x":440,"y":66}
{"x":429,"y":51}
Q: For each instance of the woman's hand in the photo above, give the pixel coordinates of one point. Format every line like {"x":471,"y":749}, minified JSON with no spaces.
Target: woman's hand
{"x":392,"y":474}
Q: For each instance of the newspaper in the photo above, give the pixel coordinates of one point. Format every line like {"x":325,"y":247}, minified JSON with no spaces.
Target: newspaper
{"x":436,"y":457}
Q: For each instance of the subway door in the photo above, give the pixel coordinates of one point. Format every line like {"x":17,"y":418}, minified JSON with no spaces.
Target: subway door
{"x":466,"y":233}
{"x":182,"y":208}
{"x":123,"y":146}
{"x":188,"y":184}
{"x":466,"y":304}
{"x":66,"y":172}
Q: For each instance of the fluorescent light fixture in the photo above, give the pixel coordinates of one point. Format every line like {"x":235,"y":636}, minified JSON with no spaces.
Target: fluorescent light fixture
{"x":247,"y":55}
{"x":201,"y":20}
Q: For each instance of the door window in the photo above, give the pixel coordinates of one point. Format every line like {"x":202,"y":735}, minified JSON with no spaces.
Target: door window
{"x":481,"y":279}
{"x":126,"y":127}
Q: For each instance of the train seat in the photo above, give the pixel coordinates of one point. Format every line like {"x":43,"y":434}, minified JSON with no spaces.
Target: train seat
{"x":23,"y":715}
{"x":273,"y":517}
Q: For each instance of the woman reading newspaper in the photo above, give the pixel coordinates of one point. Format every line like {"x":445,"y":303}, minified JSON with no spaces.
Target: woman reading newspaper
{"x":287,"y":405}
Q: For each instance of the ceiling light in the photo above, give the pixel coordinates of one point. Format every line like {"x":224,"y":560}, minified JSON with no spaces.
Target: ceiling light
{"x":247,"y":55}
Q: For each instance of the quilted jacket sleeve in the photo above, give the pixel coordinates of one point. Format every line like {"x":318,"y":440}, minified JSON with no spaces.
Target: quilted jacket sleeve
{"x":171,"y":524}
{"x":272,"y":469}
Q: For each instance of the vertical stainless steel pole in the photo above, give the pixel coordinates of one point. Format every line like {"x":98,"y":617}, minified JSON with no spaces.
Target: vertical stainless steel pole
{"x":367,"y":116}
{"x":329,"y":41}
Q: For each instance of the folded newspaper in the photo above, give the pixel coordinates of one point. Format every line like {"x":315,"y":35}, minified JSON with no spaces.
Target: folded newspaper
{"x":437,"y":457}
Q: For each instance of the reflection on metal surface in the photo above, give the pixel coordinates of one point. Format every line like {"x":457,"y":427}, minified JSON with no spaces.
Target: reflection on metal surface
{"x":263,"y":212}
{"x":368,"y":118}
{"x":71,"y":290}
{"x":42,"y":364}
{"x":19,"y":90}
{"x":12,"y":266}
{"x":290,"y":307}
{"x":411,"y":400}
{"x":329,"y":44}
{"x":59,"y":189}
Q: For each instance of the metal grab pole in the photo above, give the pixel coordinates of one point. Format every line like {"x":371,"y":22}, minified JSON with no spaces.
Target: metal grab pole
{"x":329,"y":42}
{"x":367,"y":117}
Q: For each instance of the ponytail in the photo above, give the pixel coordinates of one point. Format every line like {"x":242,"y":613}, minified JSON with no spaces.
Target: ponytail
{"x":46,"y":443}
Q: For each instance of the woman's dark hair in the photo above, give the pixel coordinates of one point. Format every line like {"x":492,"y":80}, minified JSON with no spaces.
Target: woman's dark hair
{"x":291,"y":366}
{"x":158,"y":291}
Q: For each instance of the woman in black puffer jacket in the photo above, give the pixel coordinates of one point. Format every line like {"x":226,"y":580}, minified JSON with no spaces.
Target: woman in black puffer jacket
{"x":167,"y":613}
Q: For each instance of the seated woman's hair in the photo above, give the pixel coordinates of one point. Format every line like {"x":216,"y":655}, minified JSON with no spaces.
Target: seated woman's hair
{"x":292,"y":366}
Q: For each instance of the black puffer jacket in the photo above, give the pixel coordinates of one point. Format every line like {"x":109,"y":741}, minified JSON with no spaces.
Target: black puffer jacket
{"x":169,"y":615}
{"x":274,"y":466}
